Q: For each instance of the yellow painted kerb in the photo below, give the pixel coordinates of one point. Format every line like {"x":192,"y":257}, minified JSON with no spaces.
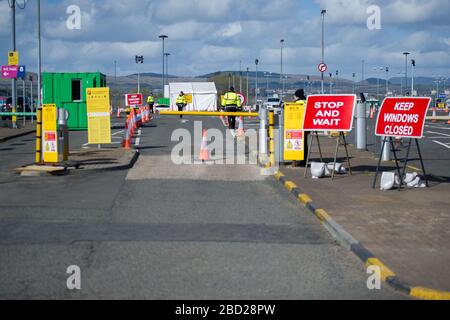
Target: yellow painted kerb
{"x":290,"y":185}
{"x":278,"y":175}
{"x":429,"y":294}
{"x":322,"y":215}
{"x":385,"y":271}
{"x":304,"y":198}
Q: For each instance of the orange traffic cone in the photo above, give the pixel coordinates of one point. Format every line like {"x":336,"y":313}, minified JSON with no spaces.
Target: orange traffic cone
{"x":434,"y":115}
{"x":118,"y":112}
{"x":372,"y":113}
{"x":127,"y":139}
{"x":241,"y":131}
{"x":204,"y":153}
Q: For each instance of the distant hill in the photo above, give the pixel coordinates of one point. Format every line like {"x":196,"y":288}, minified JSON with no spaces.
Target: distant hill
{"x":417,"y":80}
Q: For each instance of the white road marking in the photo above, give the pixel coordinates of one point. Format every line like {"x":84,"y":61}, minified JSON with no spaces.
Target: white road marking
{"x":118,"y":132}
{"x":138,"y":139}
{"x":442,"y":144}
{"x":441,"y":128}
{"x":439,"y":133}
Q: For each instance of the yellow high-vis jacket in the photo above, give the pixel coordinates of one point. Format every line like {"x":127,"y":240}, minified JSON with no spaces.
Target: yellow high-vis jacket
{"x":231,"y":99}
{"x":181,"y":100}
{"x":150,"y":99}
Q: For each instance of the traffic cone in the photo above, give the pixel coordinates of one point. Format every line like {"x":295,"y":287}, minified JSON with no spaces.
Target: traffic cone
{"x":434,"y":115}
{"x":127,"y":139}
{"x":204,"y":153}
{"x":118,"y":112}
{"x":146,"y":114}
{"x":448,"y":120}
{"x":241,"y":131}
{"x":372,"y":113}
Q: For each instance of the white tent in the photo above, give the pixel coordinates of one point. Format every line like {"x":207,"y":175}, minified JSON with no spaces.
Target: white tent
{"x":204,"y":95}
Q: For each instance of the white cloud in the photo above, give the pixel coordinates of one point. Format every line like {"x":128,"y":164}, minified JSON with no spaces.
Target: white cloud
{"x":211,"y":35}
{"x":232,"y":29}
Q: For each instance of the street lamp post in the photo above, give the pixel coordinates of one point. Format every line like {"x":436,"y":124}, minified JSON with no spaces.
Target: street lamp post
{"x":401,"y":82}
{"x":363,"y":76}
{"x":240,"y":76}
{"x":387,"y":81}
{"x":31,"y":97}
{"x":323,"y":45}
{"x":337,"y":81}
{"x":139,"y":59}
{"x":406,"y":69}
{"x":413,"y":63}
{"x":331,"y":83}
{"x":256,"y":90}
{"x":167,"y":66}
{"x":12,"y":5}
{"x":267,"y":75}
{"x":39,"y":100}
{"x":281,"y":72}
{"x":163,"y":38}
{"x":354,"y":89}
{"x":248,"y":96}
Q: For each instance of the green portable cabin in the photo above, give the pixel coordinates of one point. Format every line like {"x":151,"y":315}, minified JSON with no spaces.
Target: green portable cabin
{"x":68,"y":91}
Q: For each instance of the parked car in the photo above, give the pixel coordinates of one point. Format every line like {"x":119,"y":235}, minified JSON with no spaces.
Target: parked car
{"x":274,"y":103}
{"x":161,"y":107}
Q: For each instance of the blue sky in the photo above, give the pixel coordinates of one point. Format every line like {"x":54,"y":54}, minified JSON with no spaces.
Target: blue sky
{"x":212,"y":35}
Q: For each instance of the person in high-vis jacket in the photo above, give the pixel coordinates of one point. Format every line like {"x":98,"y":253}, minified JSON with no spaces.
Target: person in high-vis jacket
{"x":181,"y":103}
{"x":151,"y":103}
{"x":232,"y":103}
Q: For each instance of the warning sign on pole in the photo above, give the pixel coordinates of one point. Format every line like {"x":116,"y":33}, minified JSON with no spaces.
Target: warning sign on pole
{"x":13,"y":58}
{"x":99,"y":117}
{"x":134,"y":100}
{"x":403,"y":117}
{"x":50,"y":141}
{"x":330,"y":113}
{"x":294,"y":136}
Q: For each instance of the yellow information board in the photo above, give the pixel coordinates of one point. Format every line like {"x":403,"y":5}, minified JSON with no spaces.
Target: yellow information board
{"x":99,"y":118}
{"x":49,"y":133}
{"x":13,"y":58}
{"x":294,"y":136}
{"x":189,"y":99}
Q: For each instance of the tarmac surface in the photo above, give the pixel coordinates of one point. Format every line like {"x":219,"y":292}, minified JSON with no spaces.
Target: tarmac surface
{"x":162,"y":231}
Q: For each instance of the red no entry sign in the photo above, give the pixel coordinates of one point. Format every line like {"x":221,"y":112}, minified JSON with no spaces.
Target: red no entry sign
{"x":403,"y":117}
{"x":133,"y":99}
{"x":329,"y":113}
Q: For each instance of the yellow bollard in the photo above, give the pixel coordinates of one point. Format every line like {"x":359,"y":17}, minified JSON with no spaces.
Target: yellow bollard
{"x":14,"y":118}
{"x":271,"y":138}
{"x":38,"y":159}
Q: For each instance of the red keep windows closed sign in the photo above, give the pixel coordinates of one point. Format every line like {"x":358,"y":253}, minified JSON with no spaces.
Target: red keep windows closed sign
{"x":403,"y":117}
{"x":134,"y":99}
{"x":330,"y":113}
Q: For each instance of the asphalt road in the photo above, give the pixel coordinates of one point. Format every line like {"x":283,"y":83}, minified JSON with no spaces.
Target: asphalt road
{"x":166,"y":231}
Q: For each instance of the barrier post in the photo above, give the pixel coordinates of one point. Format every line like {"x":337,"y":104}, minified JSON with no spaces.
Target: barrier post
{"x":14,"y":118}
{"x":386,"y":149}
{"x":38,"y":158}
{"x":361,"y":126}
{"x":263,"y":132}
{"x":271,"y":137}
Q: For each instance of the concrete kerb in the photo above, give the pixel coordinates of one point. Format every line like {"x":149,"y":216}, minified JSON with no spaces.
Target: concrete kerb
{"x":22,"y":134}
{"x":347,"y":241}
